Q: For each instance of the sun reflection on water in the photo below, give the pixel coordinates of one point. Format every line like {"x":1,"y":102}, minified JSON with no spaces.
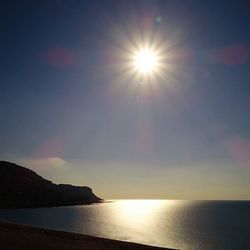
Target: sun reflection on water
{"x":136,"y":214}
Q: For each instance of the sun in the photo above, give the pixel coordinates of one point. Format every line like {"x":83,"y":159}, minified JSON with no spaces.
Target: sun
{"x":146,"y":61}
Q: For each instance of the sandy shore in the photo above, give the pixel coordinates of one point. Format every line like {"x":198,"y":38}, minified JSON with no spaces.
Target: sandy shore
{"x":15,"y":237}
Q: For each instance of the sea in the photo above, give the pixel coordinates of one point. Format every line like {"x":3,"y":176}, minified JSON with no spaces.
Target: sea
{"x":168,"y":223}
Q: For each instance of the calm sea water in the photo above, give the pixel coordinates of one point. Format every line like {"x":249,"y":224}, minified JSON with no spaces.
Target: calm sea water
{"x":176,"y":224}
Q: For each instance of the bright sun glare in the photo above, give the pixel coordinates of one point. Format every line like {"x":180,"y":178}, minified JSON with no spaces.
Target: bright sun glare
{"x":146,"y":61}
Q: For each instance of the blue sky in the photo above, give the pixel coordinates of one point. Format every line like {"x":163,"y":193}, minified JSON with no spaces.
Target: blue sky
{"x":70,"y":112}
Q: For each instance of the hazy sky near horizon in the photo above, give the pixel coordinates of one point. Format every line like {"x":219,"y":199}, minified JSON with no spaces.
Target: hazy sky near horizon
{"x":73,"y":114}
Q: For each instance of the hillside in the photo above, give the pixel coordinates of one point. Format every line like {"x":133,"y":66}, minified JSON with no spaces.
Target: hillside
{"x":22,"y":187}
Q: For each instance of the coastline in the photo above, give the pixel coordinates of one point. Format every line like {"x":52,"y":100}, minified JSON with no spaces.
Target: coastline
{"x":22,"y":237}
{"x":6,"y":205}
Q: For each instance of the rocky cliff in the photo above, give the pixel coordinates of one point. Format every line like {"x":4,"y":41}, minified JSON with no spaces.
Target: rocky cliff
{"x":22,"y":187}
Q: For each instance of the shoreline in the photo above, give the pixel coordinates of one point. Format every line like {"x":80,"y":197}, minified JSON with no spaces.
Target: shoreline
{"x":4,"y":205}
{"x":22,"y":237}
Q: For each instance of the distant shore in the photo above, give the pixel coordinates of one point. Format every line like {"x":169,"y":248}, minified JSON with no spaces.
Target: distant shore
{"x":20,"y":237}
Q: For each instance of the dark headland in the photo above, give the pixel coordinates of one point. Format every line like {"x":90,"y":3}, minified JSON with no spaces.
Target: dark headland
{"x":21,"y":187}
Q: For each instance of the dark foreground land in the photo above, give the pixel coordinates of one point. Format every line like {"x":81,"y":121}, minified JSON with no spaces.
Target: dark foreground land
{"x":19,"y":237}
